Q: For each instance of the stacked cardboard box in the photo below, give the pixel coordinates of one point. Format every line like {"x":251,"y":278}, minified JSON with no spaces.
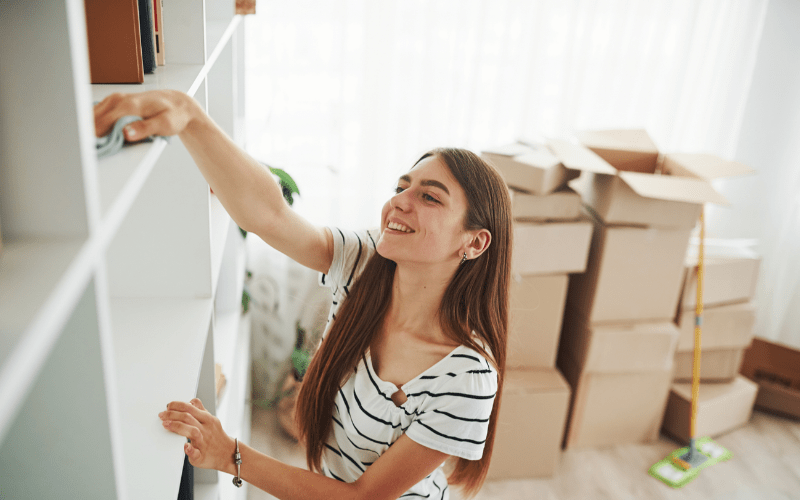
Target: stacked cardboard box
{"x":618,"y":341}
{"x":551,"y":240}
{"x":775,"y":368}
{"x":729,"y":280}
{"x":725,"y":399}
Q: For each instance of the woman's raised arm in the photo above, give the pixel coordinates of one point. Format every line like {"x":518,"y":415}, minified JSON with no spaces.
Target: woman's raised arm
{"x":245,"y":188}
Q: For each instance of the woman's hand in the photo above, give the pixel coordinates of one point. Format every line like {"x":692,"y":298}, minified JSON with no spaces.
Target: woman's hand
{"x":163,"y":112}
{"x":211,"y":447}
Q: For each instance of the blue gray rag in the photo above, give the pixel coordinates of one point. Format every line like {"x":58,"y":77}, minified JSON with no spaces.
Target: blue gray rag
{"x":112,"y":142}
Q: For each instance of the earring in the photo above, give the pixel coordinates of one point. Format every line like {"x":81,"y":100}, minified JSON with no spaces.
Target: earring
{"x":463,"y":259}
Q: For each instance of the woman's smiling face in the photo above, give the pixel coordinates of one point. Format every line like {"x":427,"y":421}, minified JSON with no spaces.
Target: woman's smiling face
{"x":424,"y":221}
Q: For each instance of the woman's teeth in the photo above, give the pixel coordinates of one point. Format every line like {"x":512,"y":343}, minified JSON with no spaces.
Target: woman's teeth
{"x":399,"y":227}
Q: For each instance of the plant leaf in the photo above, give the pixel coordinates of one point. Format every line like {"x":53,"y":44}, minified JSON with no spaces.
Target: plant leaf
{"x":285,"y":179}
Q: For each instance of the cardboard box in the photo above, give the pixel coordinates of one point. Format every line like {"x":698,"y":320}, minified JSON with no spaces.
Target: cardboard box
{"x":536,"y":311}
{"x":716,"y":365}
{"x":562,"y":205}
{"x":724,"y":327}
{"x":702,"y":166}
{"x":530,"y":425}
{"x":623,"y":185}
{"x":776,"y":369}
{"x":614,"y":408}
{"x":627,"y":150}
{"x":551,"y":248}
{"x":726,"y":280}
{"x":617,"y":348}
{"x":632,"y":274}
{"x":720,"y":408}
{"x":534,"y":170}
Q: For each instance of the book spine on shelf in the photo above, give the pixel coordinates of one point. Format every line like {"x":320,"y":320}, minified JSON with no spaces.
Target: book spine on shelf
{"x":158,"y":22}
{"x":114,"y":43}
{"x":147,"y":36}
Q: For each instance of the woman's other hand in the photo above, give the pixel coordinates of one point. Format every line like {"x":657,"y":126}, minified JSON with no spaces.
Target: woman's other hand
{"x":163,"y":112}
{"x":210,"y":447}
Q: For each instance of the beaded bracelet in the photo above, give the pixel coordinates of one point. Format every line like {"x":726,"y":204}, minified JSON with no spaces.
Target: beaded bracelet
{"x":237,"y":459}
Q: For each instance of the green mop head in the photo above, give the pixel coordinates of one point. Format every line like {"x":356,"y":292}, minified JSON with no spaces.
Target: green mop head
{"x":676,"y":476}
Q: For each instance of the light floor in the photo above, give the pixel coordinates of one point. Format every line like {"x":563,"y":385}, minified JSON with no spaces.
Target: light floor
{"x":765,"y":465}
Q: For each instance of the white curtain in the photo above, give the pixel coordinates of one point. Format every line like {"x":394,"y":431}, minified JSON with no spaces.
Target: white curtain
{"x":347,"y":94}
{"x":766,"y":206}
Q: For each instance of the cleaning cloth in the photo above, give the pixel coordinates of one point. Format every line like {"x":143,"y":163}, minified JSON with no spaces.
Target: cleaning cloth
{"x":112,"y":142}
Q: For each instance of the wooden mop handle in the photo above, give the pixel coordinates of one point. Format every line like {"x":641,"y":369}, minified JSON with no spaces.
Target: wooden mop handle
{"x":698,"y":322}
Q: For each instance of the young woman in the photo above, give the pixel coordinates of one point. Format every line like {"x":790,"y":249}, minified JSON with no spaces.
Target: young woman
{"x":410,"y":369}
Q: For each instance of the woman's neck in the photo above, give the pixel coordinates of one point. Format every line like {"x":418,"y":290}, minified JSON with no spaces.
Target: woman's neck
{"x":416,"y":299}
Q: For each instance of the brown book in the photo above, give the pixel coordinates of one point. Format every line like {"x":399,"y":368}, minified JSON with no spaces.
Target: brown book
{"x":115,"y":47}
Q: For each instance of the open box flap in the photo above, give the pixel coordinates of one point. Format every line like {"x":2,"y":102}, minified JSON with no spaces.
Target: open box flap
{"x":703,"y":166}
{"x":578,"y":157}
{"x":624,"y":140}
{"x":513,"y":149}
{"x":537,"y":158}
{"x":667,"y":187}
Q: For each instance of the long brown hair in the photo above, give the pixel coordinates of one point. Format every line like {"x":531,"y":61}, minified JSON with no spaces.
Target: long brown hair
{"x":475,"y":300}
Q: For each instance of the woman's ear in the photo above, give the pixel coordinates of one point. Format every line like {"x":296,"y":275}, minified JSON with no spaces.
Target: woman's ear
{"x":480,"y":241}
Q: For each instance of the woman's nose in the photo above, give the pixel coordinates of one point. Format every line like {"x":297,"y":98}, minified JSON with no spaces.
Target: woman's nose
{"x":401,"y":201}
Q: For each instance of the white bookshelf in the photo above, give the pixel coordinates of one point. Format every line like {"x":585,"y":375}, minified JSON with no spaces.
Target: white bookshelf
{"x":120,"y":278}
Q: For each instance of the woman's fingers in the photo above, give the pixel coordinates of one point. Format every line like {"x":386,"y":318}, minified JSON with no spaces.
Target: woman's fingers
{"x":198,"y":404}
{"x":202,"y":416}
{"x":192,"y":452}
{"x":108,"y":111}
{"x":184,"y":430}
{"x":180,"y":416}
{"x":163,"y":112}
{"x":138,"y":130}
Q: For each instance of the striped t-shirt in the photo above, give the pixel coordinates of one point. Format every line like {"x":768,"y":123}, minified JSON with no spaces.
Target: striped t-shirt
{"x":448,"y":405}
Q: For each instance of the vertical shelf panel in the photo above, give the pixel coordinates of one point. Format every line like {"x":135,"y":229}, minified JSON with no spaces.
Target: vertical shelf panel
{"x":221,"y":97}
{"x":206,"y":392}
{"x":238,"y":86}
{"x":42,"y":183}
{"x":62,"y":430}
{"x":227,"y":323}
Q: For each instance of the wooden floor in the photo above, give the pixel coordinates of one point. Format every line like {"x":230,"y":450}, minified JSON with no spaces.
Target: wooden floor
{"x":765,"y":465}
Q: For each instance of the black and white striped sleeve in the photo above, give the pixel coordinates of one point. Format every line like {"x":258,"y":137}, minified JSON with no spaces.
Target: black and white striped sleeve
{"x":351,"y":251}
{"x":455,"y":415}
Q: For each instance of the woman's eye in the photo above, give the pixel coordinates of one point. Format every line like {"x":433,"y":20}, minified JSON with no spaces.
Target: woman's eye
{"x":398,"y":190}
{"x":428,"y":197}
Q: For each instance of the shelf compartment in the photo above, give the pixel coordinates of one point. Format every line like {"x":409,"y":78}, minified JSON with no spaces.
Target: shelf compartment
{"x":162,"y":248}
{"x":43,"y":136}
{"x":40,"y":283}
{"x":159,"y":345}
{"x":120,"y":176}
{"x":62,"y":427}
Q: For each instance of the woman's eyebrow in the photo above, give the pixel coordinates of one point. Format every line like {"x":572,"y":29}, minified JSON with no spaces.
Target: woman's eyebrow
{"x":427,"y":182}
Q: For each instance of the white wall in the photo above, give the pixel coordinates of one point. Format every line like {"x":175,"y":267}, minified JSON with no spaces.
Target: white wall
{"x":767,"y":206}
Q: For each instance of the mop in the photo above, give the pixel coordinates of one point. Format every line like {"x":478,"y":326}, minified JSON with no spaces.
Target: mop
{"x":684,"y":464}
